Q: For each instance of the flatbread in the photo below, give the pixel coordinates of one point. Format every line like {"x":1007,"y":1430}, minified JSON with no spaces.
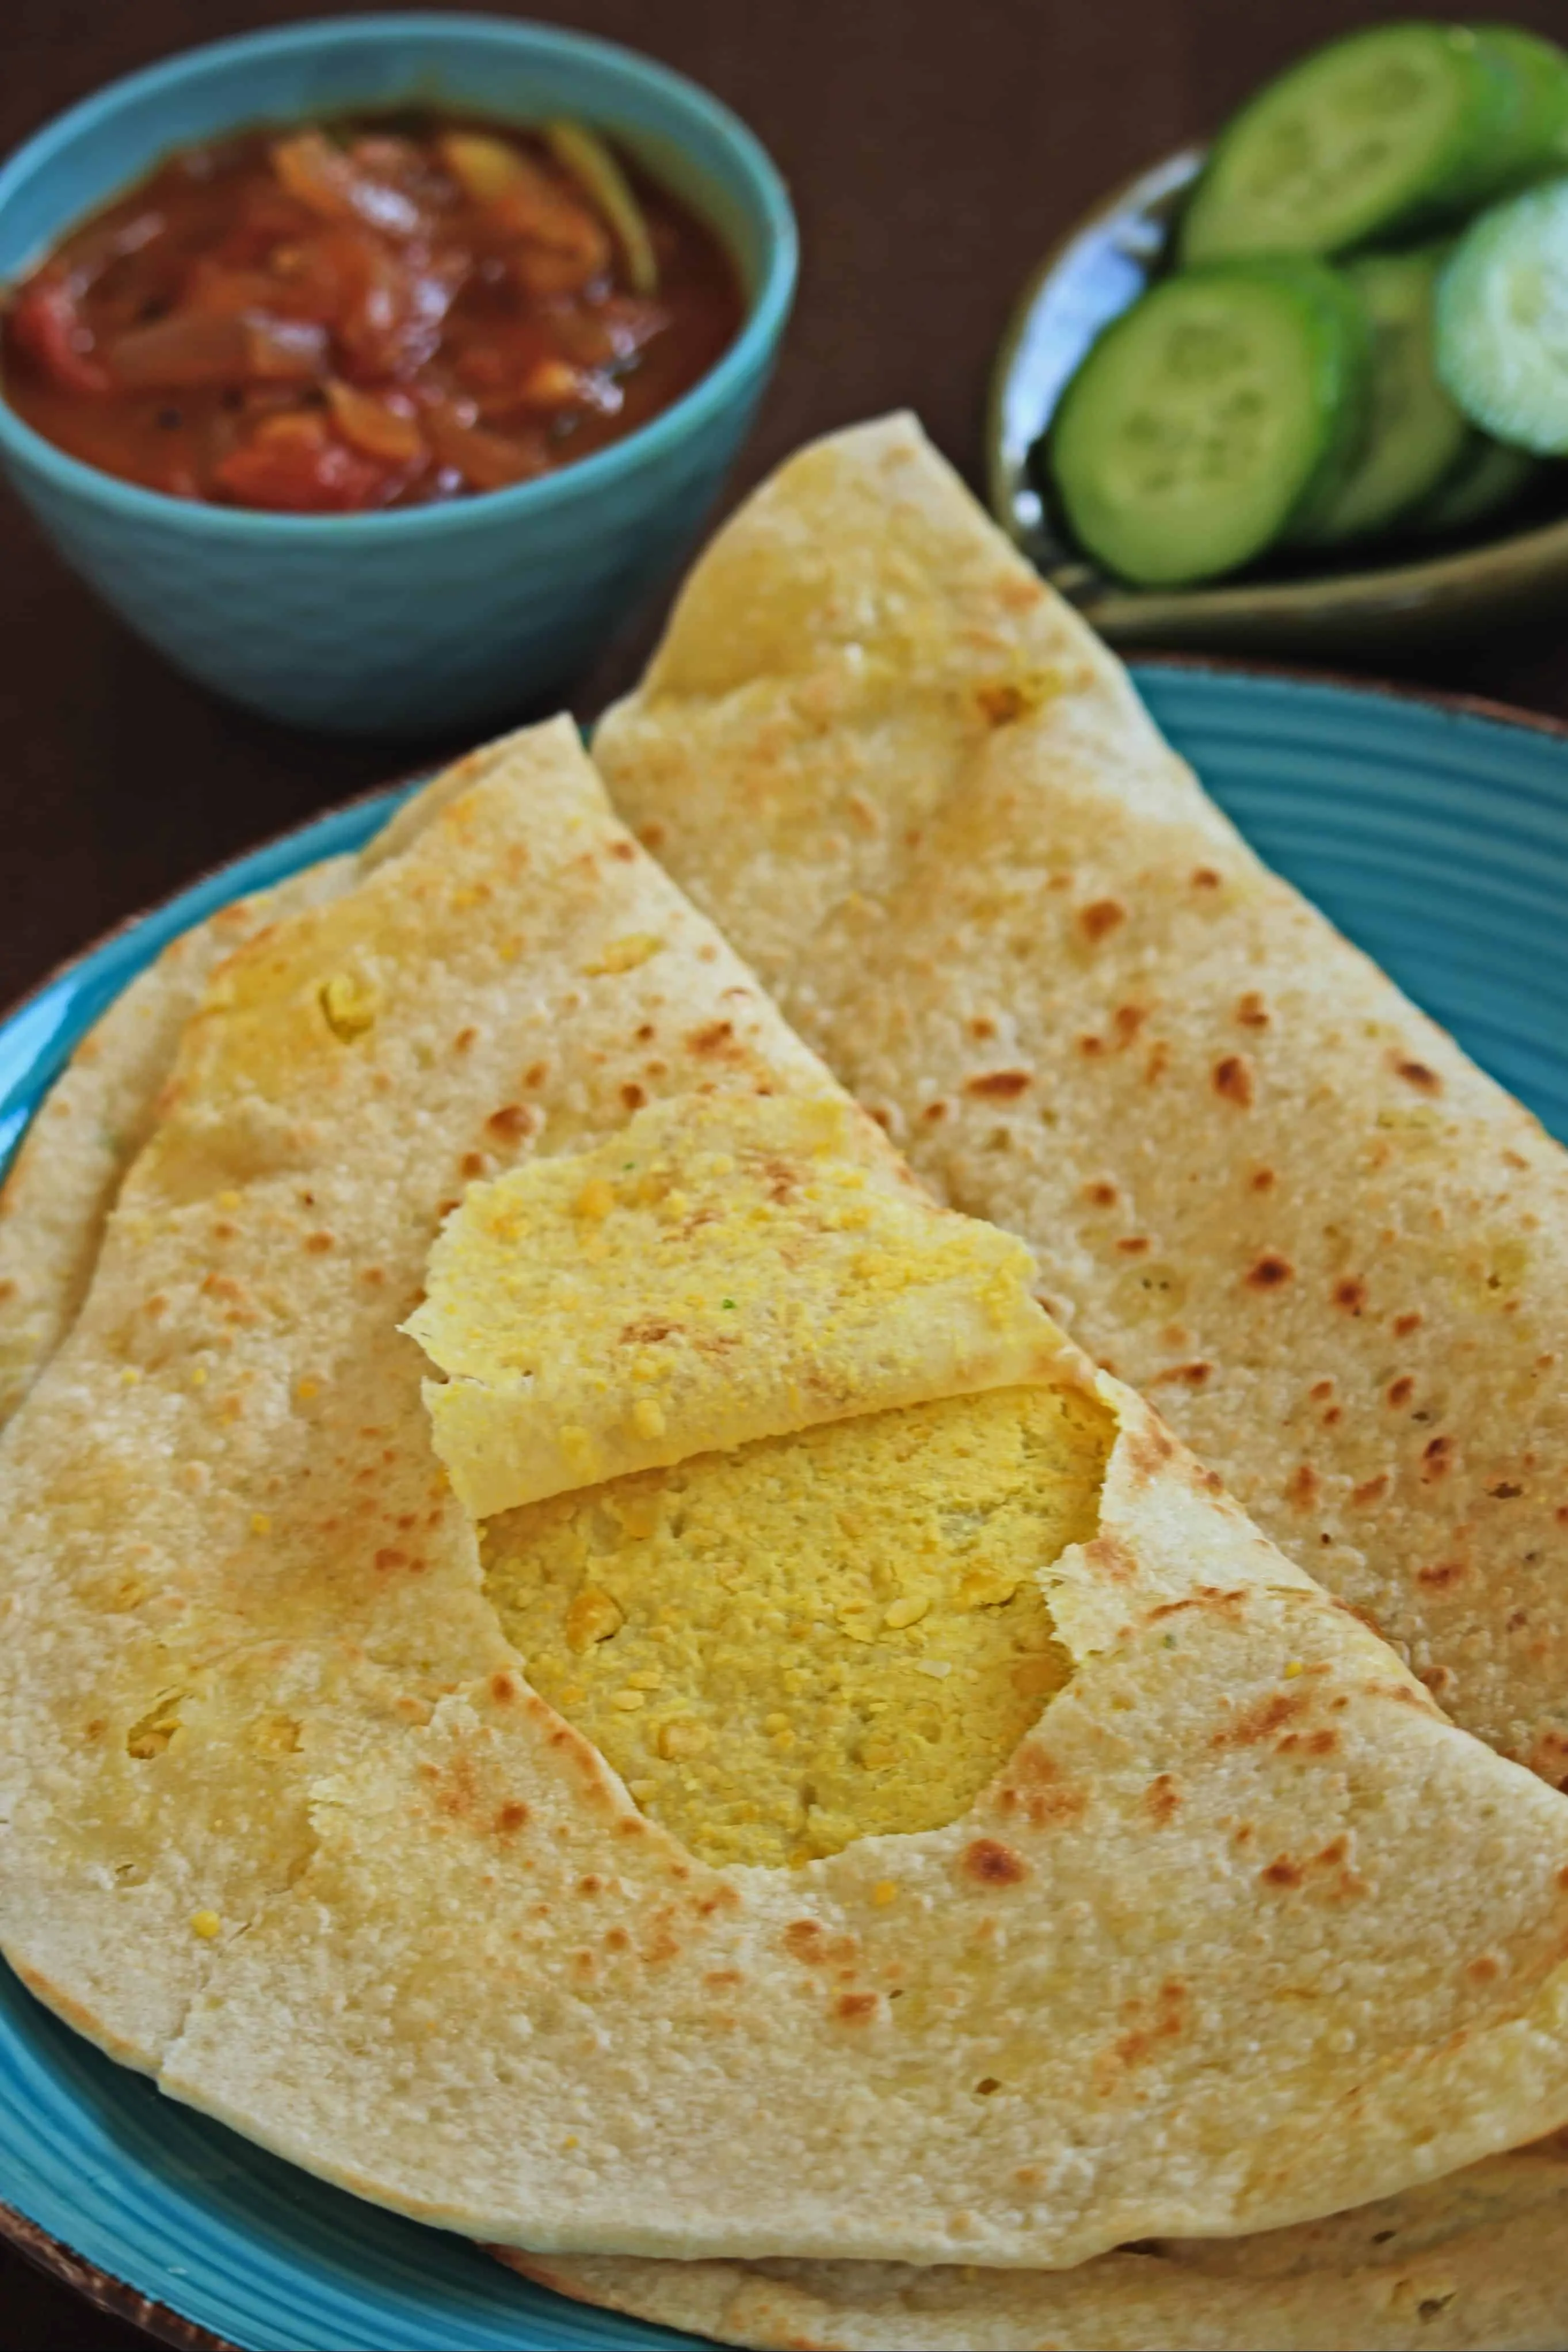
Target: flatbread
{"x":284,"y":1825}
{"x":925,"y":803}
{"x":1478,"y":2263}
{"x":64,"y":1178}
{"x":95,"y":1117}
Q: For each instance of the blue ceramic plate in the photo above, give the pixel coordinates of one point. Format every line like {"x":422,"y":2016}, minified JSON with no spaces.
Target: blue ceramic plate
{"x":1436,"y":835}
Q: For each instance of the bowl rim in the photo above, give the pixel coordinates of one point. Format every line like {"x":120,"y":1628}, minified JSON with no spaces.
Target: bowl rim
{"x":1115,"y":607}
{"x":690,"y":413}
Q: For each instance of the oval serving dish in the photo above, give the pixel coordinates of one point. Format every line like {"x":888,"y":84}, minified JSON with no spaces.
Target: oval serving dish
{"x":414,"y":618}
{"x":1436,"y":835}
{"x":1087,"y":279}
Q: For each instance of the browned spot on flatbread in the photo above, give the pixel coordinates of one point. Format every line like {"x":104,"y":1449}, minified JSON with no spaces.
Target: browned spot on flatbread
{"x":1442,"y":1574}
{"x":1002,"y":702}
{"x":1262,"y":1720}
{"x":1112,"y":1558}
{"x":1037,"y":1789}
{"x":1149,"y":1448}
{"x":1251,"y":1012}
{"x":1268,"y":1272}
{"x":991,"y":1864}
{"x":1162,"y":1798}
{"x":1225,"y":1601}
{"x":998,"y":1086}
{"x":855,"y":2008}
{"x":1302,"y":1486}
{"x":1232,"y":1080}
{"x":1425,"y":1080}
{"x":513,"y":1121}
{"x":715,"y":1038}
{"x":1437,"y":1459}
{"x":1100,"y":919}
{"x":1164,"y":2020}
{"x":458,"y":1789}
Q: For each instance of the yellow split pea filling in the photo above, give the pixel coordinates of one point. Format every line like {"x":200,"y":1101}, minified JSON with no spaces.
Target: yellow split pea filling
{"x":813,"y":1638}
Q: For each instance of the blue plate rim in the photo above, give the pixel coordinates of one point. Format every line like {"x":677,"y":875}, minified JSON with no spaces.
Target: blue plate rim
{"x":101,"y":2290}
{"x":1454,"y":705}
{"x":52,"y":2255}
{"x":1492,"y":710}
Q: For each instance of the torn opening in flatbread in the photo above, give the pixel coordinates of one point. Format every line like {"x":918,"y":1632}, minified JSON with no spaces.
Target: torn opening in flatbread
{"x":806,"y":1607}
{"x":831,"y":1635}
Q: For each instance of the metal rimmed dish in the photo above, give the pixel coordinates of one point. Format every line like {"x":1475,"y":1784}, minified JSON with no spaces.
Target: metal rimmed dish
{"x":1089,"y":277}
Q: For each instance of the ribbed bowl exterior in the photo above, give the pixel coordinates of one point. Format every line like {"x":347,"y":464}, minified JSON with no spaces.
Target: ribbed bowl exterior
{"x":429,"y":617}
{"x":383,"y":637}
{"x":1437,"y":838}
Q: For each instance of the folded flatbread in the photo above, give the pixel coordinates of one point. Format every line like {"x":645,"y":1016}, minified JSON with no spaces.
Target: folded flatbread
{"x":926,"y":805}
{"x":1231,"y":1929}
{"x":95,"y":1117}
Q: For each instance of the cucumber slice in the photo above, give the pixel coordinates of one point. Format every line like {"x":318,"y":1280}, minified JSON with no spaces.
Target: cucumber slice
{"x":1536,"y":138}
{"x":1487,"y":479}
{"x":1376,"y":132}
{"x":1502,"y":321}
{"x":1223,"y":404}
{"x":1415,"y":433}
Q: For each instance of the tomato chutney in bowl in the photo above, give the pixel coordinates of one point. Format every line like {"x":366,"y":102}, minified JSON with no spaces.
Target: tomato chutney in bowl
{"x":371,"y":369}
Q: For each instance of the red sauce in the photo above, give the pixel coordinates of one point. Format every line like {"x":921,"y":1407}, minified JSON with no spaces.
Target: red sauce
{"x":379,"y":313}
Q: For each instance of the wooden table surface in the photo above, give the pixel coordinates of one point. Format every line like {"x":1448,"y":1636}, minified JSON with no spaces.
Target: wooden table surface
{"x":933,"y":151}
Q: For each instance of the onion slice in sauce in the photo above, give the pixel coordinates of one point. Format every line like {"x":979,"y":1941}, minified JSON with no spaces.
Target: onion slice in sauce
{"x":335,"y":188}
{"x":487,"y":461}
{"x":375,"y":426}
{"x":584,"y":154}
{"x":218,"y":347}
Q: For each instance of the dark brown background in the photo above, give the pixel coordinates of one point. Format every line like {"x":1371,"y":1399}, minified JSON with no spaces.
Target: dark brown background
{"x":933,"y":148}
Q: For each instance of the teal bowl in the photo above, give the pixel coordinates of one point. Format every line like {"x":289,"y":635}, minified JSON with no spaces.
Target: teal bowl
{"x":422,"y":618}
